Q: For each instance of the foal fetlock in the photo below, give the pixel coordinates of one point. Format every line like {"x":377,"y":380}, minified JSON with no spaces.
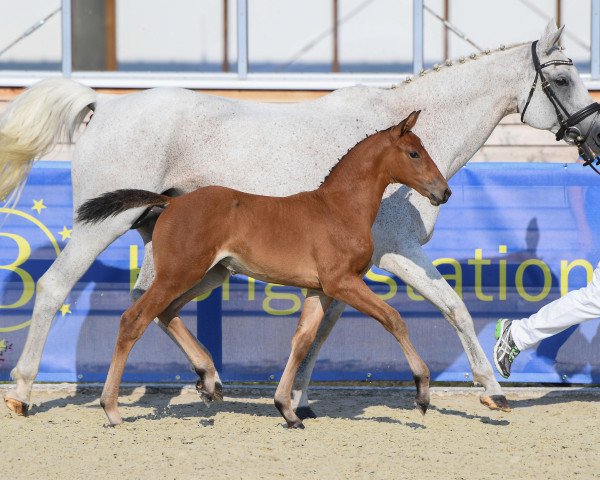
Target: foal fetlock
{"x":111,"y":409}
{"x":285,"y":409}
{"x":422,"y":398}
{"x":208,"y":387}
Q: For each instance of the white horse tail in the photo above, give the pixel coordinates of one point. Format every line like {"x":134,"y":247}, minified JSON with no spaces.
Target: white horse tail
{"x":39,"y":118}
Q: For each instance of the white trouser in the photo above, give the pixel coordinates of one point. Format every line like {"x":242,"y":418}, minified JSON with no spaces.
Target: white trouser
{"x":575,"y":307}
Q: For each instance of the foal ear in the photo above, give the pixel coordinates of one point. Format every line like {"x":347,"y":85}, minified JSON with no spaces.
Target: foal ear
{"x":408,"y":123}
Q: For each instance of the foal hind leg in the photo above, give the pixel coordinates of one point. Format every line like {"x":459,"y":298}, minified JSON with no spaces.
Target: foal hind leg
{"x":310,"y":319}
{"x":133,"y":323}
{"x":415,"y":268}
{"x":52,"y":288}
{"x":355,"y":293}
{"x":196,"y":353}
{"x":209,"y":384}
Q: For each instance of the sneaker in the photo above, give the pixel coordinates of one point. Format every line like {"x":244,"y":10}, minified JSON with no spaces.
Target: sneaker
{"x":505,"y":350}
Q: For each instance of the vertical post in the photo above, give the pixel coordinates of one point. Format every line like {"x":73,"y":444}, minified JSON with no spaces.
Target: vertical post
{"x":209,"y":325}
{"x":335,"y":64}
{"x":65,"y":18}
{"x":110,"y":34}
{"x":595,"y":50}
{"x":225,"y":65}
{"x":446,"y":37}
{"x":417,"y":36}
{"x":242,"y":38}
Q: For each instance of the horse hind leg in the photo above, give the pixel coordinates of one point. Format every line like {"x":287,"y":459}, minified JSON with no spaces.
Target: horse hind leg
{"x":53,"y":287}
{"x":310,"y":319}
{"x":300,"y":389}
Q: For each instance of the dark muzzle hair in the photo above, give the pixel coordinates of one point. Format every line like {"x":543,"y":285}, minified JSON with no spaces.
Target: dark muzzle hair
{"x":112,"y":203}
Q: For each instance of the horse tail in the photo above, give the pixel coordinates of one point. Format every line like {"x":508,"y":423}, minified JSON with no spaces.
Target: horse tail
{"x":34,"y":122}
{"x":112,"y":203}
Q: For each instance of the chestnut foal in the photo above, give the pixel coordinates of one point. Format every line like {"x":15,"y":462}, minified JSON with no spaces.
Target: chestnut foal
{"x":320,"y":240}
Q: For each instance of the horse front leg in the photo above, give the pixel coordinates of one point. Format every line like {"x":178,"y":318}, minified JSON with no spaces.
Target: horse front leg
{"x":52,"y":288}
{"x":415,"y":269}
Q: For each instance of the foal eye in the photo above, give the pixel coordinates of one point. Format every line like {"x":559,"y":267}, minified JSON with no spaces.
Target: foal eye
{"x":414,"y":155}
{"x":561,"y":82}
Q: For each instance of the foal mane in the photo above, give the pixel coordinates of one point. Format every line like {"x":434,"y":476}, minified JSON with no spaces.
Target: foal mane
{"x":350,"y":149}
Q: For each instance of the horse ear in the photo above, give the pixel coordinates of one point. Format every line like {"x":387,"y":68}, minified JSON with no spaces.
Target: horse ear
{"x":550,"y":37}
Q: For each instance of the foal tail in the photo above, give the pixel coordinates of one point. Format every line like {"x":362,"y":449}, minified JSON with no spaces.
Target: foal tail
{"x":34,"y":122}
{"x":112,"y":203}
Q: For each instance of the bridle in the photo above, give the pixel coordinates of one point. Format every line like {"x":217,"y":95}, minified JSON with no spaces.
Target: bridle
{"x":569,"y":129}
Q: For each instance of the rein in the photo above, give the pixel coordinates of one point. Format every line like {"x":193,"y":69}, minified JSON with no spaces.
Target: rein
{"x":568,"y":123}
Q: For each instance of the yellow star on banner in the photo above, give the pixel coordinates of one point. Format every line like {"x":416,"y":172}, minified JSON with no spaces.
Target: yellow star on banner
{"x":65,"y":233}
{"x":65,"y":309}
{"x":38,"y":206}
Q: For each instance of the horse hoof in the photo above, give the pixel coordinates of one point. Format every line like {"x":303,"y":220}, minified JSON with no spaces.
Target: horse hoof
{"x":296,"y":424}
{"x":495,"y":402}
{"x":305,"y":412}
{"x":17,"y":407}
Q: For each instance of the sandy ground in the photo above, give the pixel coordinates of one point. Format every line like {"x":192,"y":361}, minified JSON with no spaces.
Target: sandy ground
{"x":374,"y":433}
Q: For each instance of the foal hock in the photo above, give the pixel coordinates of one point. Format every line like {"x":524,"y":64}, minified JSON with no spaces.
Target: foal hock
{"x":320,"y":240}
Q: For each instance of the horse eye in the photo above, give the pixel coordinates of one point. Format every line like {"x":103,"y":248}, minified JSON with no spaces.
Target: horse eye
{"x":561,"y":82}
{"x":414,"y":154}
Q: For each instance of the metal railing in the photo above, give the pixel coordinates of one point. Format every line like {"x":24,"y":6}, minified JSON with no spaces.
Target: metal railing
{"x":242,"y":78}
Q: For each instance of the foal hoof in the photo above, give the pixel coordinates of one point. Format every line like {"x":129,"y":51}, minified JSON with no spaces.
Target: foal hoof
{"x":305,"y":412}
{"x":208,"y":397}
{"x":495,"y":402}
{"x":17,"y":407}
{"x":218,"y":395}
{"x":296,"y":424}
{"x":422,"y":406}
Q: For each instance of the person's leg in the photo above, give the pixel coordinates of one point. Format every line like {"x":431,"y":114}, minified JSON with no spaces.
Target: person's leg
{"x":572,"y":309}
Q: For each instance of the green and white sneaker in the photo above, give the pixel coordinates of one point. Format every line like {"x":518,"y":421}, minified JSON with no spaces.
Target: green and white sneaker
{"x":505,"y":350}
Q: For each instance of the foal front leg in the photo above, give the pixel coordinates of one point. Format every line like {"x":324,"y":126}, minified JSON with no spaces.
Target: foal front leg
{"x":312,"y":313}
{"x":355,"y":293}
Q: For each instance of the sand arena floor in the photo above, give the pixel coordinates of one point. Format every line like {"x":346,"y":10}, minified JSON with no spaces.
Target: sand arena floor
{"x":361,"y":433}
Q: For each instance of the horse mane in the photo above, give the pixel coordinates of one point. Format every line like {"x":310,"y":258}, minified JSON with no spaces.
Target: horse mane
{"x":459,"y":61}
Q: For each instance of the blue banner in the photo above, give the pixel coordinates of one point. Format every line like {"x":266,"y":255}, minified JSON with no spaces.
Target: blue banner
{"x":512,"y":238}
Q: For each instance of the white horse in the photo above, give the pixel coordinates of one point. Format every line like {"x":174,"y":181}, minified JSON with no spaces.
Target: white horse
{"x":177,"y":140}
